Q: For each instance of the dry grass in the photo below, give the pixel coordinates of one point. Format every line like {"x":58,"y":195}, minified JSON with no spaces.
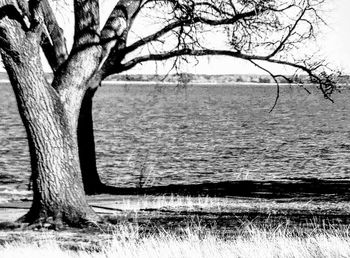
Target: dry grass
{"x":251,"y":241}
{"x":218,"y":204}
{"x":194,"y":239}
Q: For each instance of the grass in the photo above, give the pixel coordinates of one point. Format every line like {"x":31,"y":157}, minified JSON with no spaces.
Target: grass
{"x":194,"y":241}
{"x":218,"y":204}
{"x":173,"y":226}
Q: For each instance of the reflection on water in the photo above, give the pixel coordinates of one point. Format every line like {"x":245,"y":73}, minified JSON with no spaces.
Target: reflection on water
{"x":201,"y":133}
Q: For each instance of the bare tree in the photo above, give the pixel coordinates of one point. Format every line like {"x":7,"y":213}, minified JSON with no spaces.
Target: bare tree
{"x":57,"y":115}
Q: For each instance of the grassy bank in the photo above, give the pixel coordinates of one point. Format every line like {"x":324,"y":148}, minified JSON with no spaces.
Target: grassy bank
{"x":177,"y":226}
{"x":129,"y":241}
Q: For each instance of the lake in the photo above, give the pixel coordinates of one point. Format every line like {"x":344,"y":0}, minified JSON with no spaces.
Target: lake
{"x":200,"y":133}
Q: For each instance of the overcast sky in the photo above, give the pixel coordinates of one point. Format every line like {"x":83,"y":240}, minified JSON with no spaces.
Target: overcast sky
{"x":334,"y":44}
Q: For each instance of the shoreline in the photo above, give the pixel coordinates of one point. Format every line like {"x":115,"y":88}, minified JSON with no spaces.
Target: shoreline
{"x":230,"y":213}
{"x":157,"y":83}
{"x":294,"y":198}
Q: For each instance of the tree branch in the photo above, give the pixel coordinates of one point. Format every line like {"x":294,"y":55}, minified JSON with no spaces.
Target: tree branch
{"x":291,"y":29}
{"x":274,"y":77}
{"x":87,"y":23}
{"x":187,"y":22}
{"x":252,"y":28}
{"x":11,"y":9}
{"x":325,"y":82}
{"x":116,"y":27}
{"x":115,"y":31}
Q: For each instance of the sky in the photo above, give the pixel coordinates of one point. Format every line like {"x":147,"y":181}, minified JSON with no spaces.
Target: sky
{"x":334,"y":44}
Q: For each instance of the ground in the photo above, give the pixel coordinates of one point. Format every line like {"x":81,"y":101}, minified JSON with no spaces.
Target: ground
{"x":223,"y":215}
{"x":300,"y":206}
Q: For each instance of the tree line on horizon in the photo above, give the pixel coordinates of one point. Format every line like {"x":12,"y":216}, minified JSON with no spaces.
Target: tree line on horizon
{"x":203,"y":78}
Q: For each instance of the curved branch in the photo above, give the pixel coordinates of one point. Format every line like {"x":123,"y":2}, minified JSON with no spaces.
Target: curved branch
{"x":274,"y":77}
{"x":187,"y":22}
{"x":167,"y":55}
{"x":323,"y":81}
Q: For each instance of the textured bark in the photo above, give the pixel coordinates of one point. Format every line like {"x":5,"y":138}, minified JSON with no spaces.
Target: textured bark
{"x":87,"y":24}
{"x":50,"y":123}
{"x":86,"y":142}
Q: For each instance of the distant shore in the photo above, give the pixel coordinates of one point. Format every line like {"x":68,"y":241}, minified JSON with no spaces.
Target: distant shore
{"x":114,"y":82}
{"x":233,"y":83}
{"x":200,"y":79}
{"x":189,"y":84}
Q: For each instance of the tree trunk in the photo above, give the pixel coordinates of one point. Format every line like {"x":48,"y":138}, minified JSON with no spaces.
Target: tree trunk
{"x":86,"y":142}
{"x":87,"y":153}
{"x":50,"y":120}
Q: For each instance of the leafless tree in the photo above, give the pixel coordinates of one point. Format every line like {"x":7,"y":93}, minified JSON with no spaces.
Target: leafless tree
{"x":57,"y":114}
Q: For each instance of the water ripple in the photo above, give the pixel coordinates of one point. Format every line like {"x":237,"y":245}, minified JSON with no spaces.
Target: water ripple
{"x":201,"y":134}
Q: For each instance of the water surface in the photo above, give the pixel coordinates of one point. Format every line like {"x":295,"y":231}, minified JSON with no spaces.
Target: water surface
{"x":177,"y":135}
